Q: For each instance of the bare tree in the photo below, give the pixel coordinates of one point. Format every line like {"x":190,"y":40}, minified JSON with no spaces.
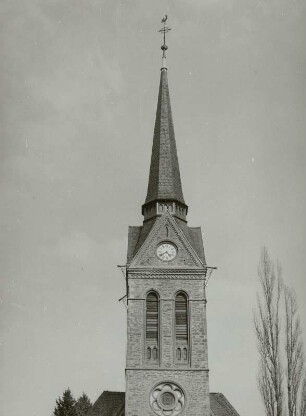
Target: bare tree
{"x":294,"y":350}
{"x":267,"y":328}
{"x":303,"y":398}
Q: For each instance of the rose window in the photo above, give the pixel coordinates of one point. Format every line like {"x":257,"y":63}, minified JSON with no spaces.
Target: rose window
{"x":167,"y":399}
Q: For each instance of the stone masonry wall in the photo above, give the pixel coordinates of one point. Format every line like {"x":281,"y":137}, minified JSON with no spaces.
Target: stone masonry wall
{"x":185,"y":273}
{"x":167,"y":289}
{"x":141,"y":382}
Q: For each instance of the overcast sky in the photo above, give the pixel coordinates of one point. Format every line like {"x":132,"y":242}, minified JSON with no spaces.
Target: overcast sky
{"x":79,"y":92}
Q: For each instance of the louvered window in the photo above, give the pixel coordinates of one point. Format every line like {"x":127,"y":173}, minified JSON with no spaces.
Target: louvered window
{"x":152,"y":306}
{"x":181,"y":327}
{"x":181,"y":319}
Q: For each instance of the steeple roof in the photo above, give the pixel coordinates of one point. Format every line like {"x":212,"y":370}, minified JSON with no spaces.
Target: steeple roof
{"x":164,"y":178}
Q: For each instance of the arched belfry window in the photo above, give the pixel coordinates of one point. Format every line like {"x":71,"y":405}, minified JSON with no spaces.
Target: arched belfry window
{"x":152,"y":326}
{"x":181,"y":327}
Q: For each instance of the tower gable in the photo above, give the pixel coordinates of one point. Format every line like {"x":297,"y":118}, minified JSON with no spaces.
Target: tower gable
{"x":166,"y":231}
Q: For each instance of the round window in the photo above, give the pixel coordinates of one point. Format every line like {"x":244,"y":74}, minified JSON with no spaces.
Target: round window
{"x":167,"y":399}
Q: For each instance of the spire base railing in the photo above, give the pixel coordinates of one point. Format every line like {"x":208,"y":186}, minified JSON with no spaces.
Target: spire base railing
{"x":158,"y":207}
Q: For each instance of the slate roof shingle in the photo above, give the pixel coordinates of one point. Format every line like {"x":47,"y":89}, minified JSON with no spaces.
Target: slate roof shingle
{"x":164,"y":179}
{"x":109,"y":403}
{"x":220,"y":406}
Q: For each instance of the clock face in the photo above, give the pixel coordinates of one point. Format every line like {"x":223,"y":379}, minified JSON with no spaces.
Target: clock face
{"x":166,"y":251}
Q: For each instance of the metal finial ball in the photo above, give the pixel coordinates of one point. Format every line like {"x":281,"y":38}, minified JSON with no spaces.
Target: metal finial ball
{"x":164,"y":47}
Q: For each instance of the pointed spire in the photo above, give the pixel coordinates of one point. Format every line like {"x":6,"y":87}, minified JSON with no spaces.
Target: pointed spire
{"x":164,"y":179}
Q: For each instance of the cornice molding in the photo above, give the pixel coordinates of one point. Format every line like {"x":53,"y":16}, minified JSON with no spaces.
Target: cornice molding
{"x":172,"y":277}
{"x":164,"y":272}
{"x":190,"y":369}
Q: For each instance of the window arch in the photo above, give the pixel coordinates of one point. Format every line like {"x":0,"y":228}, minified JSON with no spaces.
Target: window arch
{"x":152,"y":326}
{"x":181,"y":327}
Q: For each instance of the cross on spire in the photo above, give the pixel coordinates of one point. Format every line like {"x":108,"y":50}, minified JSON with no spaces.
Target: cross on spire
{"x":165,"y":29}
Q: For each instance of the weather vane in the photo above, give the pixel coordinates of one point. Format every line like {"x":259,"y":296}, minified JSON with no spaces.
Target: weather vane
{"x":165,"y":29}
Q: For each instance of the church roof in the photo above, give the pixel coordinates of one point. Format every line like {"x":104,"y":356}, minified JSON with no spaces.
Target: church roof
{"x":220,"y":406}
{"x":164,"y":179}
{"x":111,"y":403}
{"x":194,"y":236}
{"x":136,"y":237}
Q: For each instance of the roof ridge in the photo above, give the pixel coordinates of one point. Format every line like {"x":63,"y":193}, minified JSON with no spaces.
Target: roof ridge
{"x":113,"y":391}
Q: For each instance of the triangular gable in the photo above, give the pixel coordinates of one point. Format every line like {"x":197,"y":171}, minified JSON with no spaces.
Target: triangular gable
{"x":166,"y":229}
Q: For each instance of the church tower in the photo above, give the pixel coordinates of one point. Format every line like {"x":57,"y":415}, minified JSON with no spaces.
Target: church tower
{"x":166,"y":360}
